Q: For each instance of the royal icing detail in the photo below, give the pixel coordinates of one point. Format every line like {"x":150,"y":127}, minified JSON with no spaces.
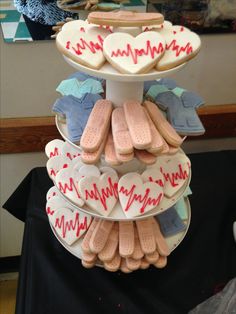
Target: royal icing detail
{"x":70,"y":225}
{"x":70,"y":151}
{"x":52,"y":192}
{"x":180,"y":47}
{"x":153,"y":175}
{"x":134,"y":54}
{"x":54,"y":148}
{"x":84,"y":45}
{"x":68,"y":185}
{"x":100,"y":194}
{"x":55,"y":164}
{"x":136,"y":197}
{"x":53,"y":204}
{"x":175,"y":170}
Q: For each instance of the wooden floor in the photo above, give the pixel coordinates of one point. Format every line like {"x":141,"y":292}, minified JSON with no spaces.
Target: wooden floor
{"x":8,"y":296}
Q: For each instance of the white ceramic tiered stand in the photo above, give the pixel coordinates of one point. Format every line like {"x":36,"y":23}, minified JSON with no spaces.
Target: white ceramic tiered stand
{"x":119,"y":88}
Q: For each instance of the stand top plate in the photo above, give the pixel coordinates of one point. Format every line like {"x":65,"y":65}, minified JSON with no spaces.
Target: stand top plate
{"x":108,"y":72}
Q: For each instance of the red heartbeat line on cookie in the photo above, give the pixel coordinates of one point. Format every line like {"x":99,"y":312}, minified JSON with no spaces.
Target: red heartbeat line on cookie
{"x":144,"y":200}
{"x":175,"y":176}
{"x":64,"y":187}
{"x":72,"y":224}
{"x":54,"y":153}
{"x":103,"y":194}
{"x":49,"y":211}
{"x":134,"y":53}
{"x":179,"y":49}
{"x":86,"y":45}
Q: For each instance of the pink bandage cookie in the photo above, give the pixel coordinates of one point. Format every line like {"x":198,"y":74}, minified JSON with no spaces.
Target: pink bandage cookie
{"x":145,"y":157}
{"x":85,"y":243}
{"x":100,"y":235}
{"x":125,"y":18}
{"x":163,"y":126}
{"x":120,"y":131}
{"x":110,"y":248}
{"x":97,"y":125}
{"x":162,"y":246}
{"x":110,"y":152}
{"x":137,"y":253}
{"x":114,"y":264}
{"x":138,"y":124}
{"x":146,"y":235}
{"x":126,"y":238}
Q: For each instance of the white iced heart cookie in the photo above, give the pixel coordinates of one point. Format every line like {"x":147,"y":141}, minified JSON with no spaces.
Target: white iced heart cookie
{"x":136,"y":197}
{"x":79,"y":25}
{"x":54,"y":148}
{"x":175,"y":170}
{"x":53,"y":204}
{"x":70,"y":151}
{"x":68,"y":185}
{"x":153,"y":175}
{"x":100,"y":193}
{"x":52,"y":192}
{"x":84,"y":46}
{"x":55,"y":164}
{"x":134,"y":54}
{"x":70,"y":225}
{"x":181,"y":46}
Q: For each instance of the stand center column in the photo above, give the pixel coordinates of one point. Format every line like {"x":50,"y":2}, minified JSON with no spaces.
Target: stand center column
{"x":119,"y":92}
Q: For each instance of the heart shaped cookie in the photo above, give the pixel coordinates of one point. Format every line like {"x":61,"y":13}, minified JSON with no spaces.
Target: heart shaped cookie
{"x":52,"y":192}
{"x":54,"y":148}
{"x":53,"y":204}
{"x":100,"y":194}
{"x":137,"y":197}
{"x":153,"y":175}
{"x":55,"y":164}
{"x":134,"y":54}
{"x":70,"y":151}
{"x":83,"y":45}
{"x":68,"y":185}
{"x":181,"y":46}
{"x":70,"y":225}
{"x":175,"y":170}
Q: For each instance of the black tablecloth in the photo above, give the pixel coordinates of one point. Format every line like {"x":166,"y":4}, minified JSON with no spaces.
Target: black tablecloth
{"x":53,"y":281}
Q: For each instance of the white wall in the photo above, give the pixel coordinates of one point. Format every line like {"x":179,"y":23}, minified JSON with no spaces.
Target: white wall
{"x":30,"y":73}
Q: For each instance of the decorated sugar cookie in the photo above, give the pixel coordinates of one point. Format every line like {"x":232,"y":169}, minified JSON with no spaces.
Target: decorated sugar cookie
{"x":68,"y":185}
{"x":153,"y":175}
{"x":53,"y":204}
{"x":54,"y":148}
{"x":175,"y":170}
{"x":131,"y":54}
{"x":137,"y":197}
{"x":55,"y":164}
{"x":70,"y":225}
{"x":52,"y":192}
{"x":100,"y":194}
{"x":164,"y":25}
{"x":70,"y":151}
{"x":83,"y":45}
{"x":180,"y":47}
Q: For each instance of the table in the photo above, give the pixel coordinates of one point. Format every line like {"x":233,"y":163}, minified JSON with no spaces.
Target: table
{"x":51,"y":280}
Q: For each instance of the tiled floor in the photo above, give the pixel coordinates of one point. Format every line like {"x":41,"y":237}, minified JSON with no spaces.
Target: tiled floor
{"x":12,"y":23}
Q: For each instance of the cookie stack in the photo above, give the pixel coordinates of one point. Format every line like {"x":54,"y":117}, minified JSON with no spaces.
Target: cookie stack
{"x":126,"y":169}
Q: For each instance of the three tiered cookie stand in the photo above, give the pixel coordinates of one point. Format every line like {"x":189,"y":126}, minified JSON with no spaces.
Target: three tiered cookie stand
{"x":119,"y":88}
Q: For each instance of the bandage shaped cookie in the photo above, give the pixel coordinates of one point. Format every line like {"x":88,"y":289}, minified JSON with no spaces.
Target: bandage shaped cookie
{"x":161,"y":243}
{"x":100,"y":194}
{"x":110,"y":152}
{"x":181,"y":46}
{"x":152,"y":257}
{"x":138,"y":125}
{"x":137,"y":253}
{"x":68,"y":185}
{"x":134,"y":55}
{"x":161,"y":263}
{"x":114,"y":264}
{"x":85,"y":242}
{"x":126,"y":238}
{"x":54,"y":148}
{"x":175,"y":170}
{"x":157,"y":140}
{"x":146,"y":235}
{"x":133,"y":264}
{"x":163,"y":126}
{"x":100,"y":235}
{"x":83,"y":45}
{"x":125,"y":18}
{"x":120,"y":131}
{"x":136,"y":197}
{"x":145,"y":157}
{"x":96,"y":126}
{"x":70,"y":225}
{"x":125,"y":157}
{"x":110,"y":248}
